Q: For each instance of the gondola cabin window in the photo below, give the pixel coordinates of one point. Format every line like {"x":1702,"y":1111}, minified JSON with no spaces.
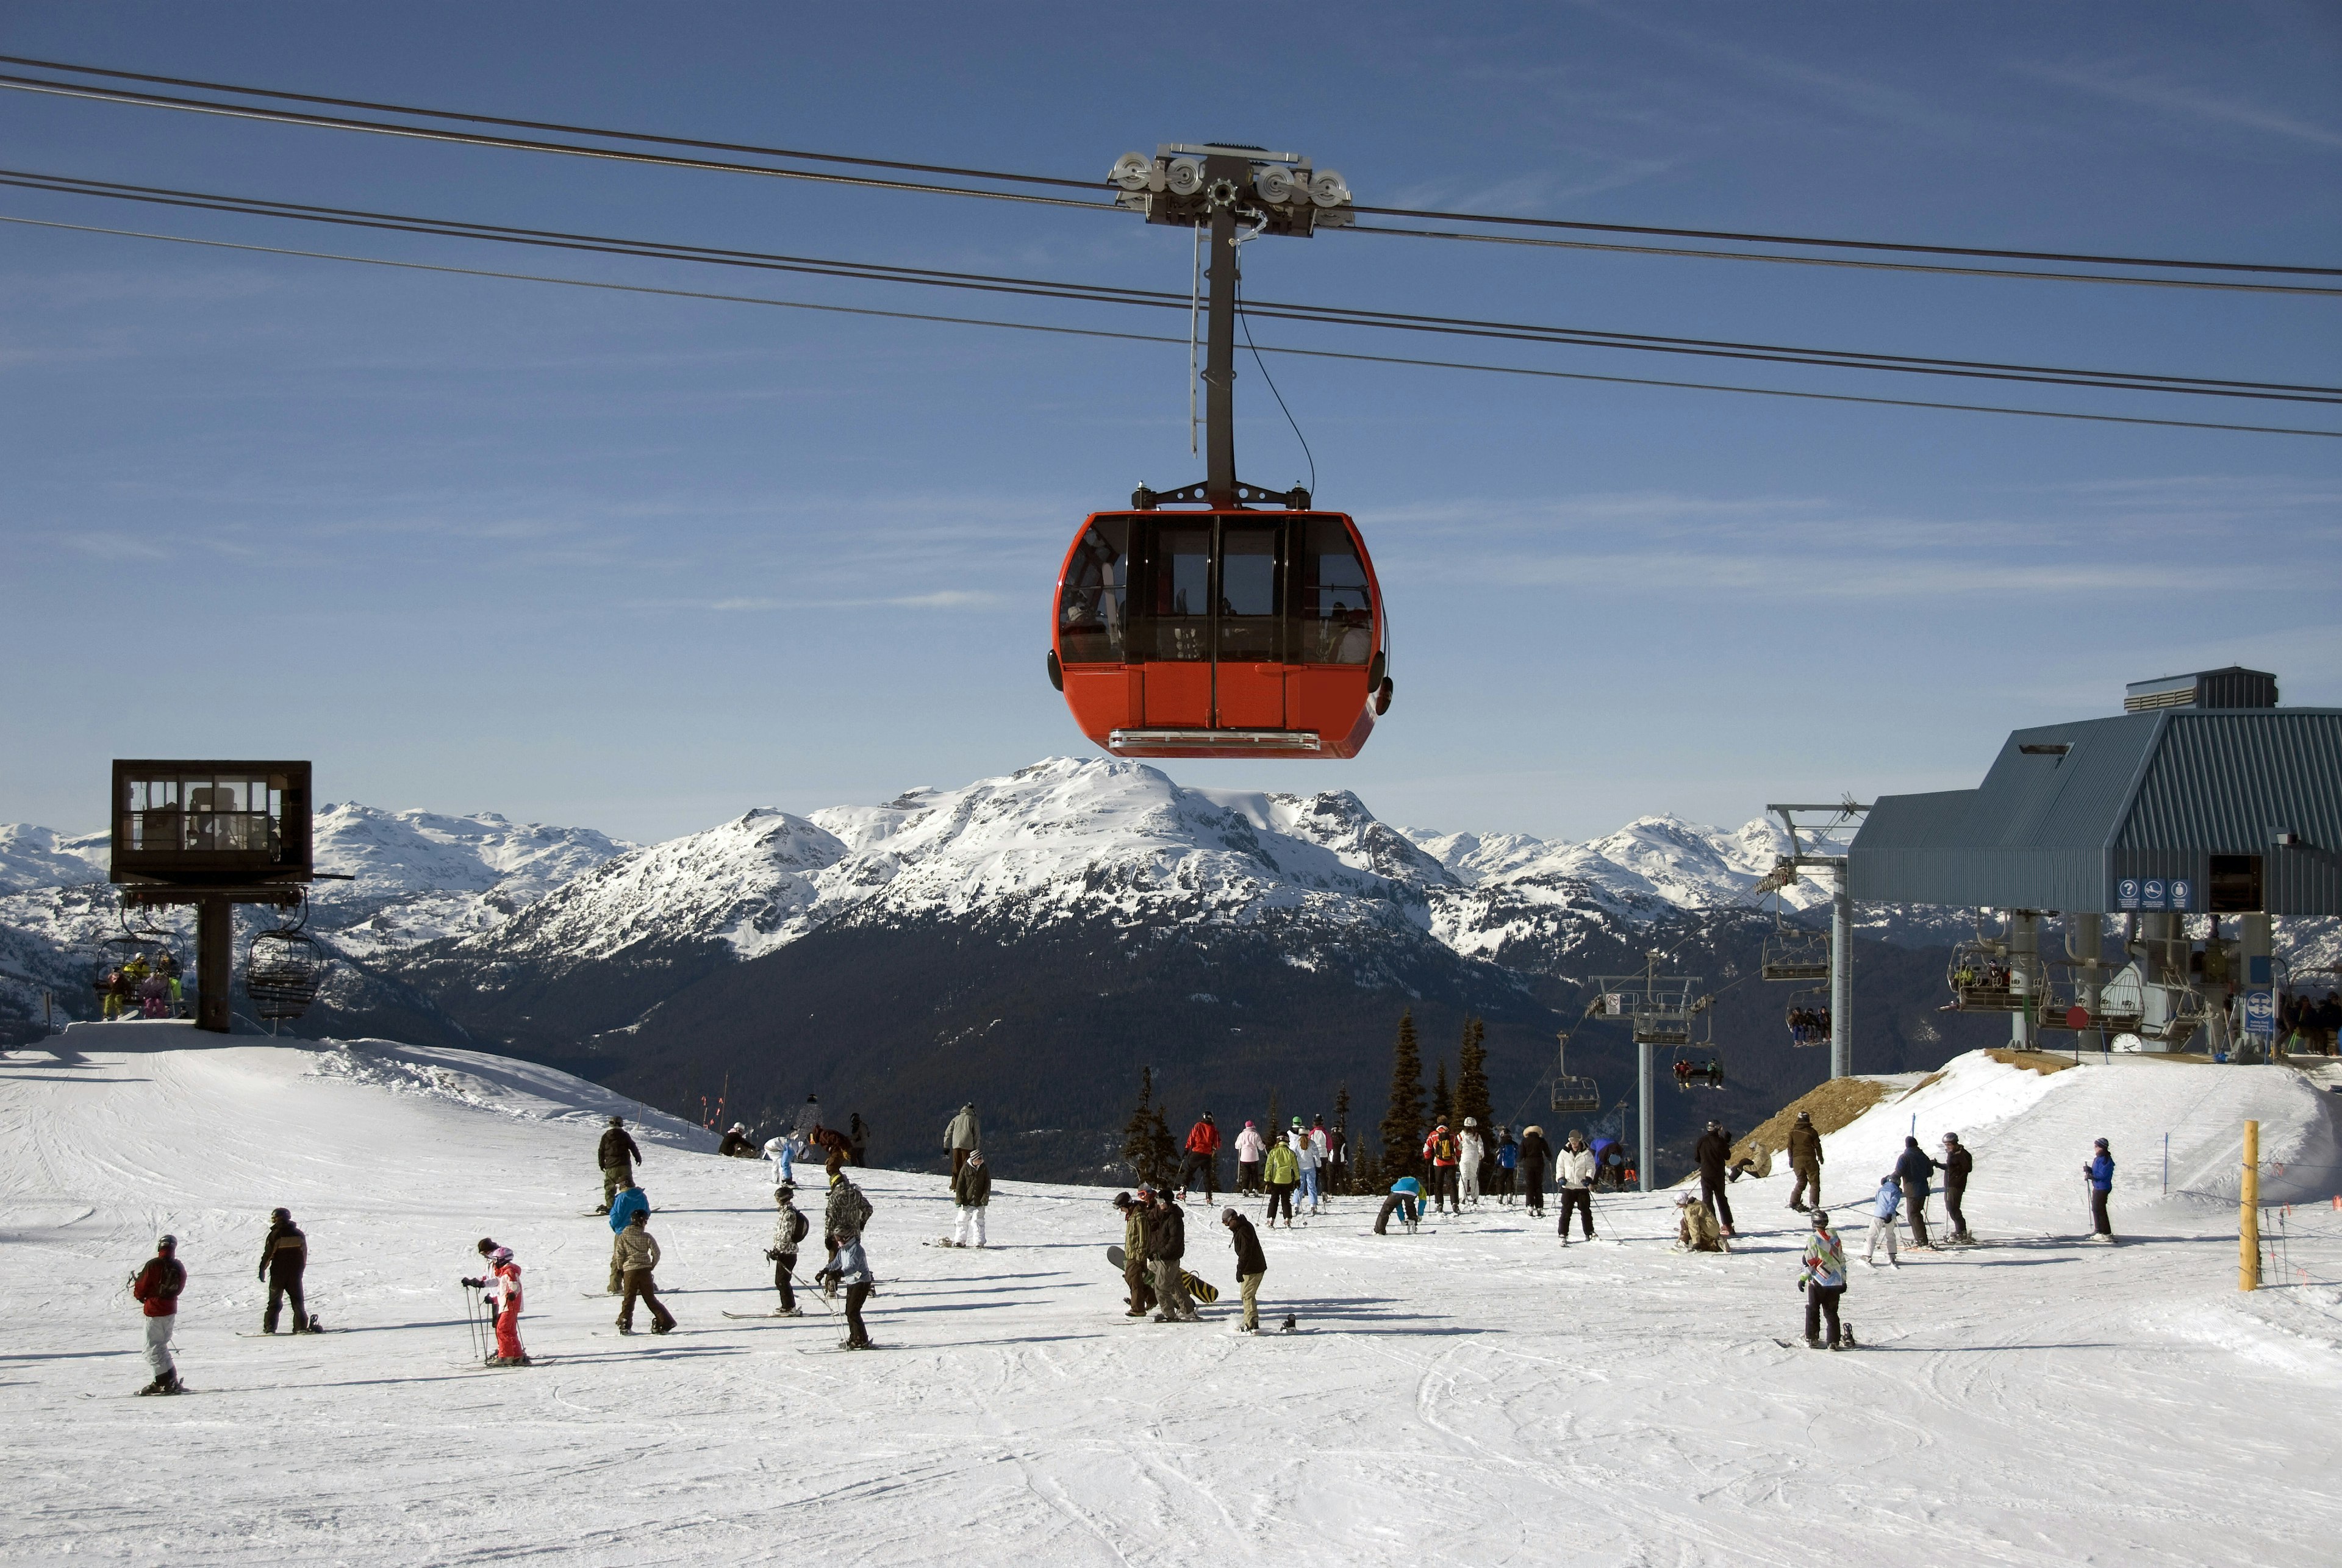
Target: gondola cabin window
{"x":204,"y":818}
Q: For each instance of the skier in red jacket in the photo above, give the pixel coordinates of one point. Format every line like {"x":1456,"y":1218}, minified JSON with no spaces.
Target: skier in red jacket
{"x":1203,"y":1155}
{"x":1443,"y":1151}
{"x":504,"y":1294}
{"x":157,"y":1290}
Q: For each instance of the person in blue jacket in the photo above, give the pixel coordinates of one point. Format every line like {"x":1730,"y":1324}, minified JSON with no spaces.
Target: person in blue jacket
{"x":1508,"y":1161}
{"x":2100,"y":1174}
{"x":628,"y":1201}
{"x":1912,"y":1170}
{"x":1882,"y":1221}
{"x":1405,"y":1196}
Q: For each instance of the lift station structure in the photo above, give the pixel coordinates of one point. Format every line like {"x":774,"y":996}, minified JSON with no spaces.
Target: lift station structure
{"x":2203,"y":803}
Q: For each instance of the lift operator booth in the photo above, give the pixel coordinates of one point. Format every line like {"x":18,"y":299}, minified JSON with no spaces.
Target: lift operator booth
{"x":214,"y":835}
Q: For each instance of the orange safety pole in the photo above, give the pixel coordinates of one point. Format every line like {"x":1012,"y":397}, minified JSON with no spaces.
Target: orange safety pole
{"x":2248,"y":1213}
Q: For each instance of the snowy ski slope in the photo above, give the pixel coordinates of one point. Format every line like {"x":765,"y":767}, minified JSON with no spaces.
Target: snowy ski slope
{"x":1478,"y":1395}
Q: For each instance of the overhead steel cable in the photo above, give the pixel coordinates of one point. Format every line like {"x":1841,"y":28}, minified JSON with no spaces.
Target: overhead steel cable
{"x":1063,"y":181}
{"x":1738,"y":236}
{"x":1583,"y":337}
{"x":1181,"y":341}
{"x":518,"y":144}
{"x":2216,"y":285}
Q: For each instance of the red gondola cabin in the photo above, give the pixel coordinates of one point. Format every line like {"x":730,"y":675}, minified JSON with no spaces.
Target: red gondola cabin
{"x":1221,"y":634}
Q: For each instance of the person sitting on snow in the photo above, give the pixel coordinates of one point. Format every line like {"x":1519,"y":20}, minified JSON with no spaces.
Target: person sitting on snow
{"x":736,"y":1144}
{"x":1696,"y":1227}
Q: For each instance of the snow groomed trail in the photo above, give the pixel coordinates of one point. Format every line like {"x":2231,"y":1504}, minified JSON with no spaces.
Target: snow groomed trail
{"x":1480,"y":1396}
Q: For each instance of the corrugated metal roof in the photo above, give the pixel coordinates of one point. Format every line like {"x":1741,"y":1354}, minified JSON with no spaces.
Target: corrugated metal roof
{"x":2067,"y":809}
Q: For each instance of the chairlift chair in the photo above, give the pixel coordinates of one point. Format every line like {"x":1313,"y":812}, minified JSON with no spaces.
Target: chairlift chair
{"x":1792,"y":953}
{"x":1982,"y":978}
{"x":282,"y":968}
{"x":1811,"y":1003}
{"x":127,"y":962}
{"x":1572,"y":1094}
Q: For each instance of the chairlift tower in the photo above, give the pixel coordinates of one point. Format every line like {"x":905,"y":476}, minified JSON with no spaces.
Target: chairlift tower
{"x":1659,"y":1009}
{"x":1819,"y":838}
{"x":214,"y":835}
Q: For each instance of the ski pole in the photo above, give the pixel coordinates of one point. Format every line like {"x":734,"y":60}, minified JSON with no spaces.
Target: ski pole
{"x":471,"y":1318}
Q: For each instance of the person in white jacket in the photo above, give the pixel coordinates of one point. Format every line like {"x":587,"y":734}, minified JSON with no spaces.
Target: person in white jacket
{"x":1306,"y":1154}
{"x":1573,"y":1173}
{"x":782,"y":1161}
{"x":1250,"y":1152}
{"x":1470,"y":1152}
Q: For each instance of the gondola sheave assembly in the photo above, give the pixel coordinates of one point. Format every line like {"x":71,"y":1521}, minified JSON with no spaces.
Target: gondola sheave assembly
{"x":1222,"y":619}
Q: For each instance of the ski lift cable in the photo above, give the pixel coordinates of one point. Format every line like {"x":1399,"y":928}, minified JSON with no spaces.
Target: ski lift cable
{"x":1348,"y":357}
{"x":1004,"y":176}
{"x":1576,"y":336}
{"x":1936,"y":268}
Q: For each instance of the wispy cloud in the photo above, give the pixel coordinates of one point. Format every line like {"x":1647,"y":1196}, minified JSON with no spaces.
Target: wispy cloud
{"x":2126,"y":83}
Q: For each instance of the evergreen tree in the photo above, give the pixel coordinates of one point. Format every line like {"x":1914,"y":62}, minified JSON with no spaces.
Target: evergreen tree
{"x":1472,"y":1079}
{"x":1147,"y":1142}
{"x":1402,"y":1124}
{"x":1443,"y":1102}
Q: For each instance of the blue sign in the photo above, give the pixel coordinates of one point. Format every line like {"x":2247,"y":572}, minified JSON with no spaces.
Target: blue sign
{"x":2182,"y":891}
{"x":2154,"y":893}
{"x":2260,"y":1011}
{"x":2127,"y":893}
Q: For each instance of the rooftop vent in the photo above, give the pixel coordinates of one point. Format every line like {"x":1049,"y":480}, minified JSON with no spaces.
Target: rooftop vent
{"x":2234,"y":687}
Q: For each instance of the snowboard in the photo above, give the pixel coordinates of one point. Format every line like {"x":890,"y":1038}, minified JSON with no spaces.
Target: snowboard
{"x":841,"y":1350}
{"x":1203,"y":1290}
{"x":762,"y":1317}
{"x":1845,"y":1334}
{"x":256,"y":1333}
{"x":1403,"y":1231}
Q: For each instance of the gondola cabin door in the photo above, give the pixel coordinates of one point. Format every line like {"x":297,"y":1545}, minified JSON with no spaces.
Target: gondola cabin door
{"x":1219,"y":633}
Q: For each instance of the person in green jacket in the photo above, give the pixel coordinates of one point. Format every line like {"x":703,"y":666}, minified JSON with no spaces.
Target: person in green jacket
{"x":1282,"y":1174}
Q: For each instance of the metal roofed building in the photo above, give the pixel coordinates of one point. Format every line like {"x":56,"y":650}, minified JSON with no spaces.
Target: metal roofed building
{"x":2175,"y":807}
{"x":2229,"y":810}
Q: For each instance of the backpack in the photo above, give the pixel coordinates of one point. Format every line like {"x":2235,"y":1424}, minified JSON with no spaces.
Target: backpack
{"x":798,"y":1226}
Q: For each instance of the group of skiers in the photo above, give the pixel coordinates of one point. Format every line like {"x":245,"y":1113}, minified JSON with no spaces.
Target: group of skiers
{"x":1154,"y":1225}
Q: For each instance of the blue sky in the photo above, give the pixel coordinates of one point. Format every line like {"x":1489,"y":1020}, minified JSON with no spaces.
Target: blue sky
{"x":641,"y":563}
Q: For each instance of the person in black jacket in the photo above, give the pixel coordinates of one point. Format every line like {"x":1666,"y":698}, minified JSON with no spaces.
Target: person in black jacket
{"x":617,"y":1156}
{"x":284,"y":1254}
{"x":1713,"y":1149}
{"x":1250,"y":1266}
{"x":1913,"y":1170}
{"x":1167,"y":1245}
{"x":1955,"y":1164}
{"x":1536,"y":1155}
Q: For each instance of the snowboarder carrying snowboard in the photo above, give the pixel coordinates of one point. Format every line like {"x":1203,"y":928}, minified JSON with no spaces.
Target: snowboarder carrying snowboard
{"x":789,"y":1228}
{"x":1134,"y":1250}
{"x":2100,"y":1175}
{"x":156,"y":1289}
{"x":971,"y":1192}
{"x":1824,"y":1283}
{"x":1250,"y":1266}
{"x":617,"y":1156}
{"x":284,"y":1254}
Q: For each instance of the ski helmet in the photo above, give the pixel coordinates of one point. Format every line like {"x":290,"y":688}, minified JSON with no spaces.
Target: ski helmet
{"x":501,"y":1256}
{"x":280,"y":1214}
{"x":167,"y":1244}
{"x":1821,"y":1219}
